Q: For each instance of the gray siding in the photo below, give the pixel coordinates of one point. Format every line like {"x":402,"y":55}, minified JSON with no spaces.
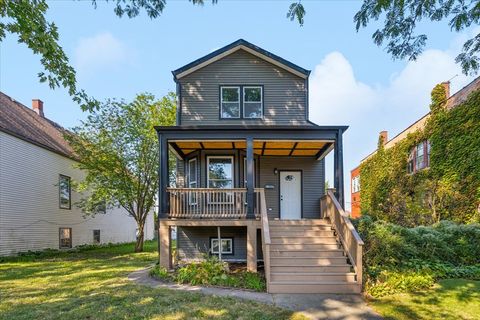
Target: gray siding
{"x":313,"y":182}
{"x":194,"y":242}
{"x":284,"y":93}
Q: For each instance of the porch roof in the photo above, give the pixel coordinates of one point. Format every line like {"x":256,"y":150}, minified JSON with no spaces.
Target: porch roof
{"x":303,"y":141}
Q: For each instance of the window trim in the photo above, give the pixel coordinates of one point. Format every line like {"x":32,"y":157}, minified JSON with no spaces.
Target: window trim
{"x":229,"y":253}
{"x":60,"y":238}
{"x":241,"y":113}
{"x":245,"y":102}
{"x":190,"y":200}
{"x":239,"y":101}
{"x":60,"y":176}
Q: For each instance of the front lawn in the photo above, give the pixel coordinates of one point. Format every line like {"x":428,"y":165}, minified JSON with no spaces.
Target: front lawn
{"x":449,"y":299}
{"x":92,"y":284}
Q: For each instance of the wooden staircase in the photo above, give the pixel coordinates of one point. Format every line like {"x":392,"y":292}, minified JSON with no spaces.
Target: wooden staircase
{"x":306,"y":257}
{"x":312,"y":255}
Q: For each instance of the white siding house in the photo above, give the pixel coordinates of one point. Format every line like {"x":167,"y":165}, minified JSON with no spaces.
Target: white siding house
{"x":31,"y":217}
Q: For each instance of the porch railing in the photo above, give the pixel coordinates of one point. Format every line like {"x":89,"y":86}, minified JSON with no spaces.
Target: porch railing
{"x":210,"y":203}
{"x":349,"y":237}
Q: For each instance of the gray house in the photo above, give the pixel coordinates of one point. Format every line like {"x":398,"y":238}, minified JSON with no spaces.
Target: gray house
{"x":251,"y":174}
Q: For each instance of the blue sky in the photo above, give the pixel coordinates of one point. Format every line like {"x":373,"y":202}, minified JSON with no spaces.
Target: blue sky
{"x":353,"y":81}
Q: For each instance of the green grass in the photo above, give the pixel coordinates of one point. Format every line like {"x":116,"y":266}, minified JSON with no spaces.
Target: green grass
{"x":91,"y":283}
{"x":449,"y":299}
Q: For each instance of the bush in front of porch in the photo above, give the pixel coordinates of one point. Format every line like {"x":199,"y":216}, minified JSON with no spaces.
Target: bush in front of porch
{"x":211,"y":272}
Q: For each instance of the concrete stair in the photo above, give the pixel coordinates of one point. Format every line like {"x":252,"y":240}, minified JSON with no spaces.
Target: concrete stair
{"x":306,"y":257}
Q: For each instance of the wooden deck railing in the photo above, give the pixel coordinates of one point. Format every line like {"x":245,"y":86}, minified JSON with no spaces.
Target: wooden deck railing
{"x":265,"y":237}
{"x":349,"y":237}
{"x":210,"y":203}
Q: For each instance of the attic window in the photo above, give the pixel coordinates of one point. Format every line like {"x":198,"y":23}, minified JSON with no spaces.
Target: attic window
{"x":230,"y":102}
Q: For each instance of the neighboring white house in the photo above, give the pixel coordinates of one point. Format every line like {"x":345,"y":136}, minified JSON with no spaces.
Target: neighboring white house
{"x":37,"y":205}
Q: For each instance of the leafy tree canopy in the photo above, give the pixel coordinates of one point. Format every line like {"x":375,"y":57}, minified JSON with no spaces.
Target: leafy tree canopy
{"x":118,"y":149}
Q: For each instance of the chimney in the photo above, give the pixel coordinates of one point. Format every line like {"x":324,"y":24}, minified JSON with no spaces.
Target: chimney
{"x":37,"y":106}
{"x":446,"y":85}
{"x":384,"y":136}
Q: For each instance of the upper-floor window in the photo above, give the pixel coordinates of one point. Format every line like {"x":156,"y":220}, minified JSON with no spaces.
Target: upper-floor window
{"x":241,"y":101}
{"x":356,"y":184}
{"x":65,"y":192}
{"x":419,"y":157}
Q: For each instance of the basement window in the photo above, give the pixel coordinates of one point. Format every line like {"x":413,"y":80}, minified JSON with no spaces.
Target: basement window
{"x":96,"y":236}
{"x":65,"y":238}
{"x":227,"y":245}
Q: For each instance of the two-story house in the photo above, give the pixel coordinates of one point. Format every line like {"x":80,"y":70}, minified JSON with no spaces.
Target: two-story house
{"x":37,"y":199}
{"x":251,"y":174}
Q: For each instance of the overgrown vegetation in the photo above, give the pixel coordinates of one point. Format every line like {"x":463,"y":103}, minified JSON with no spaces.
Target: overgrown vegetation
{"x":448,"y":190}
{"x":211,"y":272}
{"x":400,"y":259}
{"x":91,"y":283}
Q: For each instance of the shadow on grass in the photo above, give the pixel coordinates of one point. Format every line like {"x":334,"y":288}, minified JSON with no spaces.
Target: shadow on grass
{"x":92,"y":284}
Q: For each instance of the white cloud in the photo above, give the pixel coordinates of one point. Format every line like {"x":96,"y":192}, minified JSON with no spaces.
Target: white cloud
{"x":337,"y":97}
{"x":101,"y":51}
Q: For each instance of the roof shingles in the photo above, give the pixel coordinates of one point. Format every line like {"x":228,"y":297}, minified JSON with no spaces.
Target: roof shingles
{"x":22,"y":122}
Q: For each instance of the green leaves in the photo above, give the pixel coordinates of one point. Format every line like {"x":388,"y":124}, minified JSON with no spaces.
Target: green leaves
{"x":118,"y":149}
{"x":296,"y":11}
{"x":400,"y":20}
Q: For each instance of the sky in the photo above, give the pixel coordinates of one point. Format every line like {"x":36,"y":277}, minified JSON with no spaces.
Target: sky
{"x":353,"y":81}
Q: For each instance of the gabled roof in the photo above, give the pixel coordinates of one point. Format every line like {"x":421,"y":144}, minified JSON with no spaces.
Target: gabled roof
{"x":22,"y":122}
{"x":233,"y":47}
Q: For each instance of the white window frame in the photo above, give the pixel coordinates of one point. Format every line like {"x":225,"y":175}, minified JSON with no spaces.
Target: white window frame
{"x":212,"y":240}
{"x":239,"y":102}
{"x":192,"y":198}
{"x":232,"y":158}
{"x":247,"y":102}
{"x":356,"y":184}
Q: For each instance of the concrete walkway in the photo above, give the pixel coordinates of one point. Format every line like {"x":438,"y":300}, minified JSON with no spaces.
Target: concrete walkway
{"x":314,"y":306}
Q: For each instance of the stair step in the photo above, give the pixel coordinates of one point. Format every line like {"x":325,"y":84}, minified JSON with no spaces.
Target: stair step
{"x":313,"y":277}
{"x":340,"y":268}
{"x":306,"y":240}
{"x":300,"y":233}
{"x":307,"y":253}
{"x":315,"y":287}
{"x":307,"y":222}
{"x":300,"y":227}
{"x":304,"y":246}
{"x":286,"y":261}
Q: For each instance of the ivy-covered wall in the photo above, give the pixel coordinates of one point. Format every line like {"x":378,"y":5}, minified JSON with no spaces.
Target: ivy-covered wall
{"x":449,"y":189}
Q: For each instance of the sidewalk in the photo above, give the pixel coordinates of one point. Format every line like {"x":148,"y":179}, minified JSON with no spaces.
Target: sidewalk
{"x":314,"y":306}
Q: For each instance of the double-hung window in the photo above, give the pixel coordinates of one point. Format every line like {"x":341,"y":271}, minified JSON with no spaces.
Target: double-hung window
{"x":65,"y":192}
{"x":230,"y":102}
{"x":252,"y":102}
{"x":220,"y":176}
{"x":192,"y":179}
{"x":420,"y":157}
{"x":241,"y":102}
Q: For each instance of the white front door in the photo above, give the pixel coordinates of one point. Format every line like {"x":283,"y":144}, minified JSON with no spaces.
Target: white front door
{"x":290,"y":195}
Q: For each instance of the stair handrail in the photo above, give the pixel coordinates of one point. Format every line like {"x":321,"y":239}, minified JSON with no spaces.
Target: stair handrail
{"x":266,"y":241}
{"x":348,"y":235}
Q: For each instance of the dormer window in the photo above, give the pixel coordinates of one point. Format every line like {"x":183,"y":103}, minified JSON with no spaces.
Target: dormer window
{"x":241,"y":102}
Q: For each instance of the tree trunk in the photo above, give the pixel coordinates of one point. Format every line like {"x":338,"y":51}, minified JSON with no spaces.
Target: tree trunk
{"x":140,"y":237}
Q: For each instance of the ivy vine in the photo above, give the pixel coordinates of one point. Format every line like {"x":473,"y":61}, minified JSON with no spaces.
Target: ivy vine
{"x":449,"y":189}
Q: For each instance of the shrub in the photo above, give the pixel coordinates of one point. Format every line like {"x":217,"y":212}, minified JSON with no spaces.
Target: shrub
{"x":211,"y":271}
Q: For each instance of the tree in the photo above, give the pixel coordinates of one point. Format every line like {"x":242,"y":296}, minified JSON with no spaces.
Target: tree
{"x":118,"y":149}
{"x":401,"y":18}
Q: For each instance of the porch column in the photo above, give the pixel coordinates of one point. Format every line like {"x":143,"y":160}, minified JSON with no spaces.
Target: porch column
{"x":164,"y":241}
{"x":251,"y":247}
{"x":250,"y":178}
{"x":338,"y":168}
{"x":163,"y":178}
